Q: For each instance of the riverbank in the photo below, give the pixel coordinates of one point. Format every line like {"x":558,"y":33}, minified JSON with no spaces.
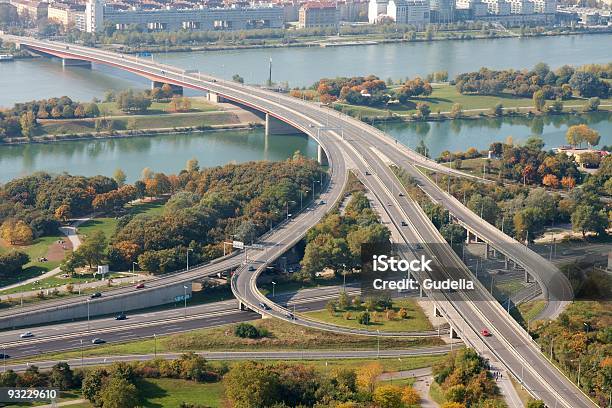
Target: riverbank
{"x":348,"y":40}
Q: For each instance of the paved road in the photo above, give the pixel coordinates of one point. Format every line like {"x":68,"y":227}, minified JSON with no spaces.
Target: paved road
{"x":248,"y":355}
{"x":509,"y":343}
{"x":145,"y":324}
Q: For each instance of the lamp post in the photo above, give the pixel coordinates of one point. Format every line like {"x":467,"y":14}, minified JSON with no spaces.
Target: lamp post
{"x":185,"y":299}
{"x":377,"y":343}
{"x":273,"y":287}
{"x":155,"y":345}
{"x":191,"y":250}
{"x":81,"y":352}
{"x":88,"y":328}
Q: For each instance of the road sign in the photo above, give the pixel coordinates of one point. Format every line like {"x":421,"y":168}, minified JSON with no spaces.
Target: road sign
{"x":238,"y":244}
{"x":180,"y":298}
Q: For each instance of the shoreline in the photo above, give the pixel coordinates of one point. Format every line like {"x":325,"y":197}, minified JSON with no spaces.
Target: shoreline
{"x":330,"y":43}
{"x":124,"y":134}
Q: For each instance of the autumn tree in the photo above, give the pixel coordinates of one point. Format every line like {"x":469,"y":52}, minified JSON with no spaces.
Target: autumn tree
{"x":28,"y":123}
{"x":120,"y":177}
{"x":388,"y":396}
{"x":16,"y":232}
{"x":539,"y":100}
{"x":410,"y":396}
{"x":578,"y":134}
{"x":63,"y":213}
{"x":118,"y":393}
{"x":93,"y":249}
{"x":568,"y":182}
{"x":367,"y":376}
{"x":550,"y":180}
{"x":251,"y":385}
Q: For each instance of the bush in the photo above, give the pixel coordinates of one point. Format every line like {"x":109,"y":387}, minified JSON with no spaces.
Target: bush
{"x":364,"y":318}
{"x":247,"y":331}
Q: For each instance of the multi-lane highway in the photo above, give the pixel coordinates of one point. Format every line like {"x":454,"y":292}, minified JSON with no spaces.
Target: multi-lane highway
{"x":346,"y":139}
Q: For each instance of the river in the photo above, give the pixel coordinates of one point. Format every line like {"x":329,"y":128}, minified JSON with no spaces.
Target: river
{"x":25,"y":80}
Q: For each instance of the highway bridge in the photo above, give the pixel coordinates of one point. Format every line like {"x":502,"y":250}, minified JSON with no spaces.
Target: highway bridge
{"x":349,"y":143}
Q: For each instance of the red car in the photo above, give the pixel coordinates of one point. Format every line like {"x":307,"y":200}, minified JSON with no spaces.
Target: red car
{"x":485,"y":333}
{"x":140,"y":286}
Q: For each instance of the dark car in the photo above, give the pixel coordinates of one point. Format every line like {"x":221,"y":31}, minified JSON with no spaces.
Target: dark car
{"x":251,"y":268}
{"x":401,"y":194}
{"x":290,"y":316}
{"x":4,"y":356}
{"x":368,"y":173}
{"x":121,"y":316}
{"x":95,"y":295}
{"x":264,"y":306}
{"x":97,"y":340}
{"x":404,"y":224}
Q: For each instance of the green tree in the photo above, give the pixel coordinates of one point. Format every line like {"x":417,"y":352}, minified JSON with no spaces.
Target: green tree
{"x":539,"y":100}
{"x":238,"y":78}
{"x":587,"y":218}
{"x":92,"y":384}
{"x":118,"y":393}
{"x":364,"y":318}
{"x":424,"y":110}
{"x":28,"y":123}
{"x":93,"y":250}
{"x":246,"y":331}
{"x":61,"y":376}
{"x":593,"y":104}
{"x":251,"y":385}
{"x":536,"y":404}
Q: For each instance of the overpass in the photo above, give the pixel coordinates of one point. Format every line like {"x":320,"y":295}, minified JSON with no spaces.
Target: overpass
{"x":370,"y":149}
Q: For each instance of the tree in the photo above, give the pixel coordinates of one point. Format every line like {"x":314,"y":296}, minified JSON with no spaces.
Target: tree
{"x":424,"y":110}
{"x":588,"y":85}
{"x":28,"y":123}
{"x":67,"y":112}
{"x":456,"y":111}
{"x":367,"y":376}
{"x":498,"y":110}
{"x":539,"y":100}
{"x":410,"y":396}
{"x":192,"y":165}
{"x":63,"y":213}
{"x":364,"y":318}
{"x":146,"y":174}
{"x":118,"y":393}
{"x":11,"y":263}
{"x":129,"y":101}
{"x":578,"y":134}
{"x":246,"y":331}
{"x":92,"y":384}
{"x":528,"y":223}
{"x":586,"y":218}
{"x":93,"y":250}
{"x":120,"y":177}
{"x":550,"y":180}
{"x":92,"y":110}
{"x":61,"y":376}
{"x":238,"y":78}
{"x":593,"y":104}
{"x":16,"y":232}
{"x":79,"y":111}
{"x":251,"y":385}
{"x":388,"y":396}
{"x":568,"y":182}
{"x":536,"y":404}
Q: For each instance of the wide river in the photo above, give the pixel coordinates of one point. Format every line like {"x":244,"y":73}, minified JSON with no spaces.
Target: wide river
{"x":43,"y":78}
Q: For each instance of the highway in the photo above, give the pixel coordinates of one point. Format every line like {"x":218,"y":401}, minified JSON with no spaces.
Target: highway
{"x":145,"y":324}
{"x":368,"y":148}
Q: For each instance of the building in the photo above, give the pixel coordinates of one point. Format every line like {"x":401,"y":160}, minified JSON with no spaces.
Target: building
{"x":377,"y":8}
{"x":319,"y":14}
{"x":470,"y":9}
{"x":352,"y":11}
{"x":521,"y":6}
{"x":65,"y":13}
{"x":31,"y":9}
{"x":545,"y":6}
{"x":414,"y":12}
{"x":173,"y":19}
{"x":442,"y":11}
{"x":498,"y":7}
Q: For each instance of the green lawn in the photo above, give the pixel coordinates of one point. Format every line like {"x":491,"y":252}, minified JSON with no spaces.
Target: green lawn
{"x":444,"y":96}
{"x":282,"y":336}
{"x":168,"y":392}
{"x":105,"y":224}
{"x":140,"y":122}
{"x":37,"y":249}
{"x":156,"y":108}
{"x":416,"y":320}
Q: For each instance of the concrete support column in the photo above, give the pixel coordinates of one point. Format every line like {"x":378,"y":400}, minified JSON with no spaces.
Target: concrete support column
{"x":215,"y":98}
{"x":321,"y":156}
{"x":505,"y":262}
{"x":176,"y":89}
{"x":69,"y":62}
{"x":486,"y":254}
{"x":467,"y":239}
{"x":275,"y":126}
{"x":437,"y":311}
{"x":526,"y":277}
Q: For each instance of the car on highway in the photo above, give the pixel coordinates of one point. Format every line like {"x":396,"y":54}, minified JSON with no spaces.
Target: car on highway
{"x":140,"y":286}
{"x":290,"y":316}
{"x":404,"y":224}
{"x":264,"y":306}
{"x":95,"y":295}
{"x":367,"y":173}
{"x":322,"y":202}
{"x":401,"y":194}
{"x":251,"y":268}
{"x":4,"y":356}
{"x":97,"y":340}
{"x":121,"y":316}
{"x":485,"y":333}
{"x":26,"y":335}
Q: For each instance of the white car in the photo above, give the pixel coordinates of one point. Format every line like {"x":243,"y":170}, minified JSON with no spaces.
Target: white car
{"x":26,"y":335}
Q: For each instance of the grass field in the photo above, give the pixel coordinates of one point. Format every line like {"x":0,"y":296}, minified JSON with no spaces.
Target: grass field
{"x":416,"y":320}
{"x":36,"y":250}
{"x":168,"y":392}
{"x":283,"y":336}
{"x":444,"y":96}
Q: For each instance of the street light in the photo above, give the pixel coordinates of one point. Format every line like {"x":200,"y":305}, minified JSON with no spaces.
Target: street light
{"x":273,"y":287}
{"x":4,"y":358}
{"x":155,"y":345}
{"x":185,"y":299}
{"x":191,"y":250}
{"x":81,"y":352}
{"x":88,"y":300}
{"x":377,"y":343}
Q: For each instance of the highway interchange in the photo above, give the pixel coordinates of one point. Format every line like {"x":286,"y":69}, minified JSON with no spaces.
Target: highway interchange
{"x":349,"y":143}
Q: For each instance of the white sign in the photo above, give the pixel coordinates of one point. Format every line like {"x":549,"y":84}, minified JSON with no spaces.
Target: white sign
{"x":102,"y":270}
{"x":238,"y":244}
